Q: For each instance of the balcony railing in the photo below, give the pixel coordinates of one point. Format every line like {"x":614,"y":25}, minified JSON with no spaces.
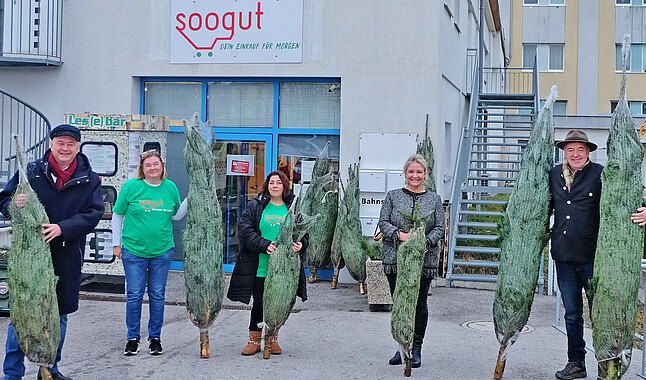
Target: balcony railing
{"x":507,"y":80}
{"x":31,"y":32}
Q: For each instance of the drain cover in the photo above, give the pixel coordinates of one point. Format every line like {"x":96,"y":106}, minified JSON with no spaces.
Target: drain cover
{"x":488,"y":326}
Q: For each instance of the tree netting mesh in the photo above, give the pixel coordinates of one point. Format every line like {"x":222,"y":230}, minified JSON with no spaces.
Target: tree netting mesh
{"x":350,"y":227}
{"x":33,"y":302}
{"x":620,"y":243}
{"x":524,"y":231}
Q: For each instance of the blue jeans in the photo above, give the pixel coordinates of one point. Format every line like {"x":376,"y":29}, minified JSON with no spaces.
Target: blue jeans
{"x":572,"y":279}
{"x":141,"y":273}
{"x":14,"y":364}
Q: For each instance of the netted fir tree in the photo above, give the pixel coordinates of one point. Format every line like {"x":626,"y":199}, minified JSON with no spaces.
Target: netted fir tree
{"x":33,"y":302}
{"x":620,"y":242}
{"x":350,"y":227}
{"x":523,"y":234}
{"x":203,"y":236}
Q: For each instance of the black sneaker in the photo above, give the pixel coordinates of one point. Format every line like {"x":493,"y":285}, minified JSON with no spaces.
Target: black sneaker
{"x":55,"y":376}
{"x":132,"y":347}
{"x":154,"y":346}
{"x":572,"y":370}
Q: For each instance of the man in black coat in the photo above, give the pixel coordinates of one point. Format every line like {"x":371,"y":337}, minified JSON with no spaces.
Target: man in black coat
{"x":575,"y":187}
{"x":71,"y":194}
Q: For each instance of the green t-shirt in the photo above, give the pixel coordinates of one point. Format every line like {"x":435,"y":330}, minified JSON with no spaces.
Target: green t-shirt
{"x":272,"y":217}
{"x":147,"y":209}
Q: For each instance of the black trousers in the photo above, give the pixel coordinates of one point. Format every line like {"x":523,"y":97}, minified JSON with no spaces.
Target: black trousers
{"x":256,"y":307}
{"x":421,"y":311}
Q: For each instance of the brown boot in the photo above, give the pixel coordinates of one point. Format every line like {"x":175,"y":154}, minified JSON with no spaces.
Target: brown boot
{"x":275,"y":348}
{"x":253,"y":347}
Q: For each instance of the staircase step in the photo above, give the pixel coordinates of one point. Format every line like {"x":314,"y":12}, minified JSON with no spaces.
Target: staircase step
{"x":526,"y":115}
{"x":477,"y":263}
{"x":476,"y":237}
{"x":482,"y":178}
{"x":488,"y":189}
{"x":511,"y":103}
{"x":487,"y":250}
{"x":494,"y":170}
{"x":498,"y":161}
{"x":472,"y":277}
{"x":482,"y":213}
{"x":478,"y":225}
{"x":504,"y":107}
{"x":490,"y":95}
{"x":494,"y":152}
{"x":500,"y":137}
{"x":483,"y":121}
{"x":482,"y":202}
{"x":497,"y":143}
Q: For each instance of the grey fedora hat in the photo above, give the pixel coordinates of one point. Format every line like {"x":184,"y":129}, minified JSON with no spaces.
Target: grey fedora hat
{"x":577,"y":135}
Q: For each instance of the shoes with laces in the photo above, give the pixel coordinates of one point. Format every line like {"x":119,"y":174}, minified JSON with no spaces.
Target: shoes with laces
{"x":132,"y":347}
{"x":572,"y":370}
{"x":155,"y":347}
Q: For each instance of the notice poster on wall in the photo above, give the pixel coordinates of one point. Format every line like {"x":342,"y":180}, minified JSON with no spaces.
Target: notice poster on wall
{"x":236,"y":31}
{"x":240,"y":164}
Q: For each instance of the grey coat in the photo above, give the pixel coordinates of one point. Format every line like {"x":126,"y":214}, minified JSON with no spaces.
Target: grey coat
{"x":391,"y":221}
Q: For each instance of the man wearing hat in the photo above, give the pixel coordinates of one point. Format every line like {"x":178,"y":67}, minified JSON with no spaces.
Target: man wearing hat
{"x":575,"y":187}
{"x":71,"y":194}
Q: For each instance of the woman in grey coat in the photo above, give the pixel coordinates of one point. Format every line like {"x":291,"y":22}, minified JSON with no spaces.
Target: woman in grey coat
{"x":395,"y":230}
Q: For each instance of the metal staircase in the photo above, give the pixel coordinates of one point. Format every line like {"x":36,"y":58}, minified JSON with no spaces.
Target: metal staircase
{"x":488,"y":161}
{"x":32,"y":127}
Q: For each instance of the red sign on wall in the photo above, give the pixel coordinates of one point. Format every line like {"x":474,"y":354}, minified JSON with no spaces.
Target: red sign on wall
{"x":240,"y":164}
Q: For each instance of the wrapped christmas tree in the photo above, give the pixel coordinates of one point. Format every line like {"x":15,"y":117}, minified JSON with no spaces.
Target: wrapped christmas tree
{"x":203,"y":236}
{"x":350,"y":227}
{"x":620,"y":242}
{"x":31,"y":278}
{"x":524,"y":233}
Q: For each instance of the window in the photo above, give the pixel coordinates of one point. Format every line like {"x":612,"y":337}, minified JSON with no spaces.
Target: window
{"x":560,"y":107}
{"x":636,"y":108}
{"x":530,"y":2}
{"x":556,"y":57}
{"x":293,"y":150}
{"x":557,"y":2}
{"x":623,"y":2}
{"x":529,"y":55}
{"x":240,"y":104}
{"x":619,"y":57}
{"x":310,"y":105}
{"x":178,"y":100}
{"x":643,"y":108}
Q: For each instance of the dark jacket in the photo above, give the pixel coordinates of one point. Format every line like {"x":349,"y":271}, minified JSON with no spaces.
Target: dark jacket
{"x":391,"y":221}
{"x":76,"y":208}
{"x":244,"y":272}
{"x":576,"y":214}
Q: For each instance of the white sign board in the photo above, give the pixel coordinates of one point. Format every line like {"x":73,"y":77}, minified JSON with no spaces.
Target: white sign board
{"x":240,"y":164}
{"x":236,"y":31}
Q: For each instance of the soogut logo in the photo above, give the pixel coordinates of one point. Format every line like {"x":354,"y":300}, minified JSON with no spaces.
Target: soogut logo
{"x":201,"y":29}
{"x":149,"y":205}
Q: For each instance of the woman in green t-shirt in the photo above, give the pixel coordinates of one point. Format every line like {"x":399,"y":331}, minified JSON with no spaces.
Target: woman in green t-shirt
{"x":142,"y":237}
{"x":258,"y":229}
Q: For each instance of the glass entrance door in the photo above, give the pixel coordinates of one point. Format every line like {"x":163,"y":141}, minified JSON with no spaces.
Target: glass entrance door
{"x":241,"y":168}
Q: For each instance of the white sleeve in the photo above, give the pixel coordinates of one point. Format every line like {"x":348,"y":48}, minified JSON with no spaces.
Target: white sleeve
{"x":117,"y":226}
{"x":181,"y":211}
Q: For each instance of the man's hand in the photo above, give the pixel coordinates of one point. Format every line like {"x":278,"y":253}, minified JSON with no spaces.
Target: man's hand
{"x":20,"y":200}
{"x":639,"y":217}
{"x":116,"y":251}
{"x":51,"y":231}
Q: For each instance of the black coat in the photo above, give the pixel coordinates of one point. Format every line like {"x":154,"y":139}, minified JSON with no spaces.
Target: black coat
{"x":576,"y":224}
{"x":244,"y":272}
{"x":77,"y":208}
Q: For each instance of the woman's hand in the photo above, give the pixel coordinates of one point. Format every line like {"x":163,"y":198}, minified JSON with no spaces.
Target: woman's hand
{"x":403,"y":236}
{"x":271,"y":248}
{"x":297,"y":246}
{"x":51,"y":231}
{"x":639,"y":217}
{"x":116,"y":251}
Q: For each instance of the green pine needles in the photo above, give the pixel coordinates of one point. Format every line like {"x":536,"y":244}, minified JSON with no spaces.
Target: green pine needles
{"x":283,"y":273}
{"x":620,"y":243}
{"x":524,"y":232}
{"x":33,"y":302}
{"x":350,"y":227}
{"x":203,"y":236}
{"x":425,"y":148}
{"x":410,"y":259}
{"x":322,"y":199}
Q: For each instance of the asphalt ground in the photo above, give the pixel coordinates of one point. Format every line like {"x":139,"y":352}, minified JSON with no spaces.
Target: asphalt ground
{"x":331,"y":336}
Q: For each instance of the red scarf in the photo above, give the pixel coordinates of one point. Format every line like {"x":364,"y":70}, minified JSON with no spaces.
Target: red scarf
{"x":62,"y":176}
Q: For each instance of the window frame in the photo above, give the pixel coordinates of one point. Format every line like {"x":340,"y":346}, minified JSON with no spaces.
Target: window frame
{"x":549,"y":56}
{"x":524,"y":67}
{"x":623,"y":5}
